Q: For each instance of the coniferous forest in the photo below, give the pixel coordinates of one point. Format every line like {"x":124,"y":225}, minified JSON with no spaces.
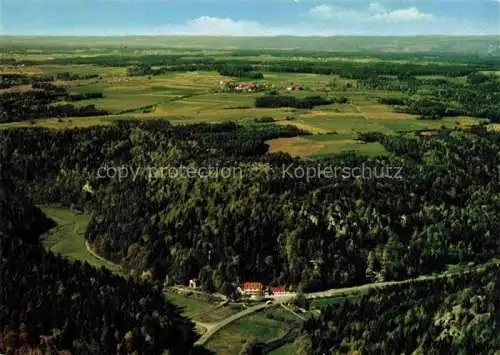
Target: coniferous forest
{"x":359,"y":190}
{"x":459,"y":315}
{"x":433,"y":203}
{"x":49,"y":304}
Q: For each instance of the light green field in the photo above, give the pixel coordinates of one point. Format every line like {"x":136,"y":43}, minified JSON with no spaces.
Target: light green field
{"x":68,"y":237}
{"x":495,"y":127}
{"x":261,"y":327}
{"x":193,"y":307}
{"x":68,"y":240}
{"x":200,"y":310}
{"x":287,"y":349}
{"x":193,"y":97}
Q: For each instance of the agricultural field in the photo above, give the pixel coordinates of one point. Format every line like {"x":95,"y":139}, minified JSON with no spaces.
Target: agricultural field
{"x":200,"y":310}
{"x":196,"y":96}
{"x":262,"y":327}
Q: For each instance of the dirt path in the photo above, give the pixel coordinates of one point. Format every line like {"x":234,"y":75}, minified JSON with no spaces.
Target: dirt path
{"x":332,"y":293}
{"x":97,"y":256}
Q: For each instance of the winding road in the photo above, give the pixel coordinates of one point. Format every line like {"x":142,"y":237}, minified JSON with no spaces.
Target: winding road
{"x":213,"y":328}
{"x":278,"y":300}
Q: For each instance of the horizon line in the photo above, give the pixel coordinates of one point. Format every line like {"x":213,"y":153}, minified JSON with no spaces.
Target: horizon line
{"x":252,"y":36}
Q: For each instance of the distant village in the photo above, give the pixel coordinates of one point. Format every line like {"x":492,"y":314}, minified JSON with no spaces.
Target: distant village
{"x":231,"y":86}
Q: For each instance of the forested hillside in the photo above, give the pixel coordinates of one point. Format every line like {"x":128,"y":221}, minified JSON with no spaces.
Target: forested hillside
{"x":48,"y":304}
{"x":43,"y":100}
{"x":478,"y":96}
{"x":458,"y":315}
{"x":434,"y":202}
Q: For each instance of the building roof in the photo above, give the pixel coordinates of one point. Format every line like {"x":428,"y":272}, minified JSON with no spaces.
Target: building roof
{"x":252,"y":285}
{"x":278,"y":289}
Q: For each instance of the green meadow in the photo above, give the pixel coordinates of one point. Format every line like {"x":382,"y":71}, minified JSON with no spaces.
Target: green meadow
{"x":262,"y":327}
{"x":195,"y":97}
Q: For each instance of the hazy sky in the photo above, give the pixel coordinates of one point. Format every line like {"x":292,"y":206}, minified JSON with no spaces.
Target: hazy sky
{"x":247,"y":17}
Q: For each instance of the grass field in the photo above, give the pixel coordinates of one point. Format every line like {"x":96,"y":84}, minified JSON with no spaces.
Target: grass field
{"x":193,"y":307}
{"x":287,"y":349}
{"x":190,"y":97}
{"x":68,"y":237}
{"x":200,"y":310}
{"x":263,"y":326}
{"x":68,"y":240}
{"x":217,"y":314}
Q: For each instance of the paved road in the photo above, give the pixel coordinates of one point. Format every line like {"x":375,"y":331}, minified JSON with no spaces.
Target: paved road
{"x":214,"y":328}
{"x":357,"y":289}
{"x":278,"y":300}
{"x":228,"y":320}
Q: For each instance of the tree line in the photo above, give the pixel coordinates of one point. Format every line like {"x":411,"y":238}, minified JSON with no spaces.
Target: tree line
{"x":143,"y":65}
{"x":240,"y":71}
{"x":12,"y":79}
{"x":51,"y":305}
{"x":43,"y":101}
{"x":437,"y":98}
{"x":276,"y":101}
{"x":265,"y":223}
{"x":456,"y":315}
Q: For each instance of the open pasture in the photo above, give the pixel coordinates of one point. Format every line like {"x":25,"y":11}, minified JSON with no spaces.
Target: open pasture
{"x":190,"y":97}
{"x":328,"y":144}
{"x":263,"y":326}
{"x":67,"y":238}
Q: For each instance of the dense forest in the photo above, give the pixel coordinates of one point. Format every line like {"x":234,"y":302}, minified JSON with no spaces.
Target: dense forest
{"x":45,"y":100}
{"x":84,"y":96}
{"x":456,"y":315}
{"x":253,"y":68}
{"x":286,"y":61}
{"x":275,"y":101}
{"x":235,"y":70}
{"x":478,"y":96}
{"x":10,"y":80}
{"x":240,"y":71}
{"x":48,"y":304}
{"x":433,"y":202}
